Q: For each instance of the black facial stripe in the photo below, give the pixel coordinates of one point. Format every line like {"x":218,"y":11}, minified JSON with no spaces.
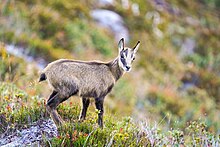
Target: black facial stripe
{"x":123,"y":61}
{"x":121,"y":54}
{"x":126,"y":52}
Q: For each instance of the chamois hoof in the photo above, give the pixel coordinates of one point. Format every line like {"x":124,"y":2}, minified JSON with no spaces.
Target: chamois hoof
{"x":81,"y":119}
{"x":61,"y":122}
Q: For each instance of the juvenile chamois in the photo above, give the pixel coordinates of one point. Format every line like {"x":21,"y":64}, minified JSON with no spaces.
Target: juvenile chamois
{"x":86,"y":80}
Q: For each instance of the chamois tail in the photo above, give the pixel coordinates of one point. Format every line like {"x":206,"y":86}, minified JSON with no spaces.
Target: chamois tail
{"x":42,"y":77}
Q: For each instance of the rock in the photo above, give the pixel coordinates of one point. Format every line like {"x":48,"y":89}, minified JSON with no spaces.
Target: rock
{"x":112,"y":21}
{"x":106,"y":3}
{"x":188,"y":47}
{"x":162,"y":5}
{"x":125,"y":4}
{"x":22,"y":53}
{"x":32,"y":135}
{"x":135,"y":9}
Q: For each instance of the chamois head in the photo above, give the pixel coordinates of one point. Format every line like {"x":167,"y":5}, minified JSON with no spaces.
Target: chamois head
{"x":126,"y":55}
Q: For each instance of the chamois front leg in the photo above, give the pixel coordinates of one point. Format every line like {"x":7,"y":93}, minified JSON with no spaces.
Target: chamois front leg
{"x":52,"y":95}
{"x":85,"y":105}
{"x":52,"y":103}
{"x":99,"y":106}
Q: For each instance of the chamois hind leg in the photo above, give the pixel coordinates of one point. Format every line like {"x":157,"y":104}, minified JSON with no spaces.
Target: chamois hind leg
{"x":85,"y":105}
{"x":51,"y":106}
{"x":99,"y":106}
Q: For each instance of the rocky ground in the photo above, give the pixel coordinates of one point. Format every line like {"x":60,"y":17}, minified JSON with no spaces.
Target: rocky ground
{"x":40,"y":130}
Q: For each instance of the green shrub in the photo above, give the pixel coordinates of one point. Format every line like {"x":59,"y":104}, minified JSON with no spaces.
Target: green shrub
{"x":84,"y":36}
{"x":17,"y":110}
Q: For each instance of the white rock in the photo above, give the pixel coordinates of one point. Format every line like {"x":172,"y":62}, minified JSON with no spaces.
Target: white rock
{"x":106,"y":2}
{"x":30,"y":136}
{"x":111,"y":21}
{"x":188,"y":47}
{"x":125,"y":4}
{"x":135,"y":9}
{"x":22,"y":53}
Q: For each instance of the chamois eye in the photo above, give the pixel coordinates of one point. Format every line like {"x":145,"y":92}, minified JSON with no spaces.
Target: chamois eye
{"x":133,"y":58}
{"x":122,"y":56}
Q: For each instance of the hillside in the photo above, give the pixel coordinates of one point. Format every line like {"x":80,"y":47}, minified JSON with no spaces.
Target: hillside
{"x":175,"y":80}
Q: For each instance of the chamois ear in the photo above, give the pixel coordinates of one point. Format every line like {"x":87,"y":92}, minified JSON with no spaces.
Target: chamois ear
{"x":136,"y":47}
{"x":121,"y":45}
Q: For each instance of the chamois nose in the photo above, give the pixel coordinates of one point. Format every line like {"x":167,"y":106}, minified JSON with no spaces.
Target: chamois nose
{"x":127,"y":67}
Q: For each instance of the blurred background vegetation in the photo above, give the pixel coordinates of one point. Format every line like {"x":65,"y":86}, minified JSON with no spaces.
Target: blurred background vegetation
{"x":175,"y":78}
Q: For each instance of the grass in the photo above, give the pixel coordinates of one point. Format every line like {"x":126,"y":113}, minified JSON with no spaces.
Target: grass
{"x":20,"y":110}
{"x":63,"y":29}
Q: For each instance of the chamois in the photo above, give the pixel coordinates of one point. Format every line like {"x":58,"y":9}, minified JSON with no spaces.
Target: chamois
{"x":85,"y":79}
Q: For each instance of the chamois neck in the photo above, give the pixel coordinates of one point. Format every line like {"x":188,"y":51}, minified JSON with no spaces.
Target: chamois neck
{"x":116,"y":70}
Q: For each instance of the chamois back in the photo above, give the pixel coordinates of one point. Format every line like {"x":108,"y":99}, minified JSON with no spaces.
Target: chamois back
{"x":86,"y":79}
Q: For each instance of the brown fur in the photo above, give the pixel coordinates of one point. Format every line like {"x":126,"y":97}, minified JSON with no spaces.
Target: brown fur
{"x":84,"y":79}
